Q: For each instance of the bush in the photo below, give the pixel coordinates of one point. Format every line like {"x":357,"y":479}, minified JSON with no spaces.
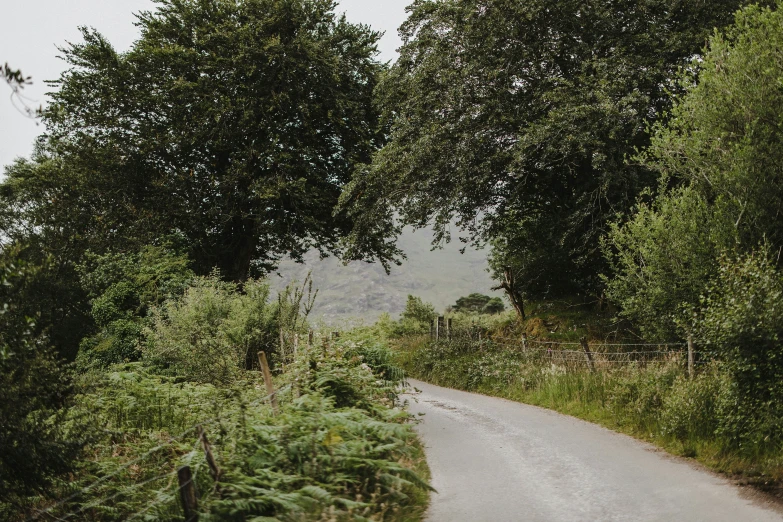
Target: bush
{"x":663,"y":258}
{"x":418,"y":311}
{"x":742,"y":326}
{"x":339,"y":449}
{"x":122,"y":288}
{"x":204,"y":336}
{"x":692,"y":408}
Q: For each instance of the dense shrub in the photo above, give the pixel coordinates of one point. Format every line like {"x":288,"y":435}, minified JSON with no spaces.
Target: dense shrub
{"x":122,"y":289}
{"x":692,"y":409}
{"x":338,"y":452}
{"x":663,"y":258}
{"x":722,"y":146}
{"x":742,"y":326}
{"x":207,"y":334}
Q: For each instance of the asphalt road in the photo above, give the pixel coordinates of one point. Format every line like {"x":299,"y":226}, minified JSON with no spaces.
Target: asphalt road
{"x":497,"y":460}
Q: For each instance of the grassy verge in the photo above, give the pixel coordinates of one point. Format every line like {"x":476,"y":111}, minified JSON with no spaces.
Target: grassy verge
{"x":654,"y":402}
{"x":340,"y":447}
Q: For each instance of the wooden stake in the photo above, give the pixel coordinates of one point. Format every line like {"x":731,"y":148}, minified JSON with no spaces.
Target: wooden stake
{"x":270,"y":387}
{"x":448,"y":328}
{"x":690,"y":357}
{"x":588,"y":354}
{"x":187,"y":492}
{"x":214,"y":470}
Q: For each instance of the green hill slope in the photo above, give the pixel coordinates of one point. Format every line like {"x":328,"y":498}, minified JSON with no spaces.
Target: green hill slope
{"x":364,"y":290}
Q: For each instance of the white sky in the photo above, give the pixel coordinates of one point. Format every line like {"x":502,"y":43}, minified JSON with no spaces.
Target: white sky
{"x":32,"y":29}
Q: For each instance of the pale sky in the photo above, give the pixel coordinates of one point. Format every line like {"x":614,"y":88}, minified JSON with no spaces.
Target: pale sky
{"x":32,"y":29}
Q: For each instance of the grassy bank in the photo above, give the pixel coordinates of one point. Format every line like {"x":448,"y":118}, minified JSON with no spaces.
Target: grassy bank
{"x":655,"y":402}
{"x":340,"y":447}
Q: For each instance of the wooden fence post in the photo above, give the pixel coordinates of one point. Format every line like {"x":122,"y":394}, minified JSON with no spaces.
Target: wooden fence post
{"x":270,"y":387}
{"x":441,"y":327}
{"x":214,"y":470}
{"x":690,"y":356}
{"x":310,"y":339}
{"x":588,"y":354}
{"x":187,"y":492}
{"x":448,"y":328}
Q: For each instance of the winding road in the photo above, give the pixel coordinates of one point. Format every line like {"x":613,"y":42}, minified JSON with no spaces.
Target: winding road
{"x":501,"y":461}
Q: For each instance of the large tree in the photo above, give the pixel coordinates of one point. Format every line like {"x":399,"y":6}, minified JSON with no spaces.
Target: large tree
{"x":517,"y":118}
{"x":233,"y":123}
{"x":723,"y":142}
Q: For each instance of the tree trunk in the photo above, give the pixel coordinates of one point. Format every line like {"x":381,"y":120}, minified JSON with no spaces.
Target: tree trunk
{"x":509,"y":285}
{"x":239,"y":245}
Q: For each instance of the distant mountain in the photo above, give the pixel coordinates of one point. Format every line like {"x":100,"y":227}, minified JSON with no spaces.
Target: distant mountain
{"x":364,"y":291}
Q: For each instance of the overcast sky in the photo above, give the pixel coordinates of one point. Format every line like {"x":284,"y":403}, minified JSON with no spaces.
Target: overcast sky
{"x":32,"y":29}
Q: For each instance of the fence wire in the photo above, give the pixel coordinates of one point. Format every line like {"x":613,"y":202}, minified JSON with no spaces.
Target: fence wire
{"x":605,"y":355}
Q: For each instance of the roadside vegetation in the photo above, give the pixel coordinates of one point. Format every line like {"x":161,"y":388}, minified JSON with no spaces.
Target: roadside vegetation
{"x":140,"y":397}
{"x":696,"y":256}
{"x":626,"y":178}
{"x":645,"y":391}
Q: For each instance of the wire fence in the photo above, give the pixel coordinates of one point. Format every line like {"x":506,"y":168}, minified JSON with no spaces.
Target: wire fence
{"x":581,"y":354}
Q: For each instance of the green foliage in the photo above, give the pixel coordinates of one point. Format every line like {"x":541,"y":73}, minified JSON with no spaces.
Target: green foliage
{"x":380,"y":360}
{"x":328,"y":454}
{"x":742,"y":325}
{"x":51,"y":293}
{"x":723,"y":136}
{"x":262,"y":109}
{"x":663,"y":258}
{"x":415,"y":320}
{"x":723,"y":142}
{"x":697,"y":408}
{"x":517,"y":118}
{"x":418,"y":310}
{"x":123,"y":287}
{"x":34,"y":394}
{"x":211,"y":332}
{"x":479,"y":304}
{"x":473,"y":303}
{"x":494,"y":306}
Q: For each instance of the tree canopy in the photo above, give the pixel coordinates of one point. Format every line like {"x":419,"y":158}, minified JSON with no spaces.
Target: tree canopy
{"x":518,"y":118}
{"x":234,"y":124}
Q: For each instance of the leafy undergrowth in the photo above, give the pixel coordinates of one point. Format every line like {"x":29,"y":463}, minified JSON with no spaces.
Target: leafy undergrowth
{"x":340,"y":447}
{"x":655,"y":402}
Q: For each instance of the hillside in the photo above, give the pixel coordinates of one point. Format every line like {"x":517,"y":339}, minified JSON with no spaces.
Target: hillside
{"x":364,"y":290}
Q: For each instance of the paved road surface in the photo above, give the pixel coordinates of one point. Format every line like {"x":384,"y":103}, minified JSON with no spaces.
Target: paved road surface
{"x":497,"y":460}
